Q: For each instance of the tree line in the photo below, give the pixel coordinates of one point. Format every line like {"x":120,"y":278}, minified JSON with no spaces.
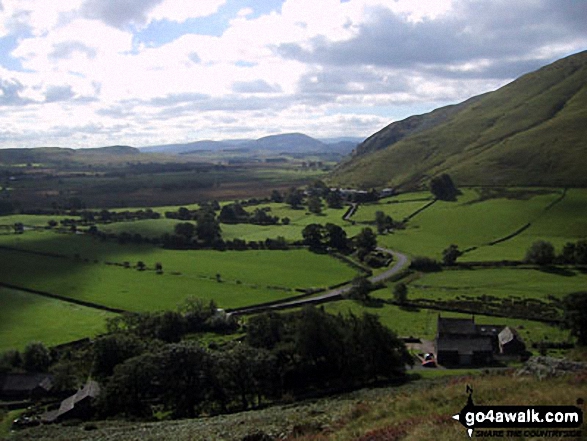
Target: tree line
{"x":146,"y":363}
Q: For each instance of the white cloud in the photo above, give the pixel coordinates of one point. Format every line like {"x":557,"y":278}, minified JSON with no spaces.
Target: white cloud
{"x":181,"y":10}
{"x":326,"y":68}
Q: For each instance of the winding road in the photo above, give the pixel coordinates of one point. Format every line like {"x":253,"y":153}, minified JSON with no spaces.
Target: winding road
{"x":401,"y":262}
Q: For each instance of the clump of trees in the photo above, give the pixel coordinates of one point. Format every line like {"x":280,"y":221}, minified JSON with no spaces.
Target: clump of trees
{"x":236,"y":214}
{"x":321,"y":237}
{"x":450,"y":255}
{"x":426,"y":264}
{"x":442,"y":187}
{"x":300,"y":352}
{"x":542,"y":252}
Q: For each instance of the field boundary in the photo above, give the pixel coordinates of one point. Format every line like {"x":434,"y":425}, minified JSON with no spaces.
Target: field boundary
{"x":417,"y":304}
{"x":419,"y":210}
{"x":510,"y":236}
{"x":63,"y":298}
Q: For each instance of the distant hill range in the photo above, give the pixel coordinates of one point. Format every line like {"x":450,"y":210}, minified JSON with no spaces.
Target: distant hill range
{"x":290,"y":143}
{"x":285,"y":143}
{"x":532,"y":131}
{"x":54,"y":154}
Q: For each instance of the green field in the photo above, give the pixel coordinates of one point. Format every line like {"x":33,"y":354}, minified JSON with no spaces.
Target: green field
{"x":28,"y":317}
{"x":471,"y":222}
{"x":398,"y":210}
{"x":565,"y":222}
{"x":501,"y":283}
{"x":246,"y":278}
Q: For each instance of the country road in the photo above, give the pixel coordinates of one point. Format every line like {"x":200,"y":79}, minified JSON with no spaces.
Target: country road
{"x":401,"y":262}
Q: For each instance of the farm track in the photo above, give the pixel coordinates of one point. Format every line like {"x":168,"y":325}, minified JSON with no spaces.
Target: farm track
{"x":401,"y":263}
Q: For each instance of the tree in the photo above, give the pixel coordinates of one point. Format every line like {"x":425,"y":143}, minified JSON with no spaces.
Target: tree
{"x":336,"y":235}
{"x":294,"y":198}
{"x":450,"y":255}
{"x":540,"y":252}
{"x":314,"y":204}
{"x":581,"y":252}
{"x":207,"y":227}
{"x":366,"y":239}
{"x":36,"y":357}
{"x":133,"y":385}
{"x":313,"y":235}
{"x":245,"y":372}
{"x":185,"y":229}
{"x":361,"y":287}
{"x":111,"y":350}
{"x":186,"y":381}
{"x":575,"y":315}
{"x":276,"y":196}
{"x":9,"y":360}
{"x":568,"y":253}
{"x":384,"y":222}
{"x":334,"y":199}
{"x":443,"y":188}
{"x":400,"y":293}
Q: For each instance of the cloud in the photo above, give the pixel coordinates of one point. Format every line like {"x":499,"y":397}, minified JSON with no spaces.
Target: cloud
{"x":122,"y":13}
{"x":481,"y":30}
{"x":119,"y":13}
{"x":67,"y":48}
{"x":55,"y":94}
{"x":194,"y":58}
{"x":256,"y":86}
{"x":10,"y":91}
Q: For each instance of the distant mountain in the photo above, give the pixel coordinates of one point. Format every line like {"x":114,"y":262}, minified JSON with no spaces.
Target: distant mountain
{"x":294,"y":143}
{"x":176,"y":149}
{"x":532,"y":131}
{"x":118,"y":150}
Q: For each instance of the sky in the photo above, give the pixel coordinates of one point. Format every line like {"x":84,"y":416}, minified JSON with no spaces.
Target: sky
{"x":89,"y":73}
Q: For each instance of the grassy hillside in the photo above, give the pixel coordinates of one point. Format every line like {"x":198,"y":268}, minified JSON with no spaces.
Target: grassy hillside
{"x":416,"y":411}
{"x":530,"y":132}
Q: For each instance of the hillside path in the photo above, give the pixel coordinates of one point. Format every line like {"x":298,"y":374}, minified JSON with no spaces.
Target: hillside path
{"x":401,"y":262}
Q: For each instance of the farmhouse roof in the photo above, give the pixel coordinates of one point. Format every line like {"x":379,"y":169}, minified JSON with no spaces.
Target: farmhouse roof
{"x":24,"y":383}
{"x":456,"y":326}
{"x":508,"y":335}
{"x":90,"y":390}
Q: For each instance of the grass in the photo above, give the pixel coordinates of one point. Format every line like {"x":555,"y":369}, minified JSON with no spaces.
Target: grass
{"x":397,"y":210}
{"x":468,"y":223}
{"x":31,"y":220}
{"x":28,"y":317}
{"x":246,"y":277}
{"x":502,"y":283}
{"x":564,"y":222}
{"x":151,"y":228}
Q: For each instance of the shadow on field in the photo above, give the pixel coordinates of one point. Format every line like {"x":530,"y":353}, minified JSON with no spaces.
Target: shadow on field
{"x":557,"y":271}
{"x":63,"y":264}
